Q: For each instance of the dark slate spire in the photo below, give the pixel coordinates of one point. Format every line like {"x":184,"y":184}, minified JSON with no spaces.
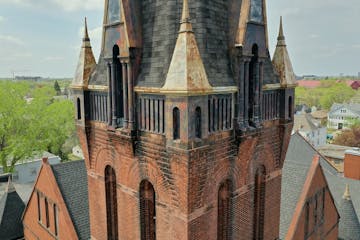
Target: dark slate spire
{"x":349,"y":227}
{"x":186,"y":74}
{"x":86,"y":63}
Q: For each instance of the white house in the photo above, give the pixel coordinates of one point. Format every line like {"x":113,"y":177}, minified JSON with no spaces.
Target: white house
{"x":341,"y":116}
{"x":310,"y":129}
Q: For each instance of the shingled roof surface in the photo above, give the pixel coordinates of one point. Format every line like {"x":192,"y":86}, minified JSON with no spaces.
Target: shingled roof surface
{"x":349,"y":227}
{"x":11,"y":210}
{"x":297,"y":164}
{"x":72,"y":180}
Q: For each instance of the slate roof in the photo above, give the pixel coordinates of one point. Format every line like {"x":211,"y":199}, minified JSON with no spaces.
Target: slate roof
{"x":304,"y":122}
{"x":11,"y":210}
{"x":349,"y":227}
{"x":297,"y":164}
{"x":72,"y":180}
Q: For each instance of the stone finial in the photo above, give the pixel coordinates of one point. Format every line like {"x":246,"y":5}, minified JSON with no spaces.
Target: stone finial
{"x":45,"y":160}
{"x":186,"y":74}
{"x":10,"y":186}
{"x":281,"y":61}
{"x":347,"y":193}
{"x":86,"y":62}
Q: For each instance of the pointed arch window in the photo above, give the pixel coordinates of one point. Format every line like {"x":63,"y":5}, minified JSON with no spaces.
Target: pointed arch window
{"x":253,"y":81}
{"x":224,"y":210}
{"x":47,"y":213}
{"x":176,"y":123}
{"x":259,"y":204}
{"x":147,"y":211}
{"x":111,"y":203}
{"x":198,"y":122}
{"x":117,"y":83}
{"x":78,"y":105}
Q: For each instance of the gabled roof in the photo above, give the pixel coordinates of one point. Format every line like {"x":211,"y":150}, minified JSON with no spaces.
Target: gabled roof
{"x":297,"y":164}
{"x":11,"y":210}
{"x":349,"y":227}
{"x":72,"y":181}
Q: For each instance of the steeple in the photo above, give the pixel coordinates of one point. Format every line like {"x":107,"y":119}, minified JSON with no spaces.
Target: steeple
{"x":186,"y":74}
{"x":349,"y":227}
{"x":281,"y":61}
{"x":86,"y":62}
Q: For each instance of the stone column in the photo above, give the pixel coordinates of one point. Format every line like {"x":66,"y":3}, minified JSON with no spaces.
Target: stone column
{"x":125,"y":93}
{"x":113,"y":96}
{"x":130,"y":95}
{"x":256,"y":117}
{"x":241,"y":95}
{"x":246,"y":92}
{"x":109,"y":107}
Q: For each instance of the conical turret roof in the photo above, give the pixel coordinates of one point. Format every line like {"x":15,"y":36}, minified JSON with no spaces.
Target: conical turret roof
{"x":86,"y":62}
{"x":349,"y":227}
{"x":186,"y":74}
{"x":281,"y":61}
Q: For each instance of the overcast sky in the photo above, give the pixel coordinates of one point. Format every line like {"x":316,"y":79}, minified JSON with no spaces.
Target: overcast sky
{"x":43,"y":37}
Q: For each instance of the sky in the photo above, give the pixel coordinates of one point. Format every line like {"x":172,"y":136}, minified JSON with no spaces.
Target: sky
{"x":43,"y":37}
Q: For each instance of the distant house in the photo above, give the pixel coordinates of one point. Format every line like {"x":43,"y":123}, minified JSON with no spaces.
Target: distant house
{"x":310,"y":129}
{"x":26,"y":171}
{"x":58,"y":207}
{"x":307,"y":176}
{"x":341,"y":116}
{"x":335,"y":155}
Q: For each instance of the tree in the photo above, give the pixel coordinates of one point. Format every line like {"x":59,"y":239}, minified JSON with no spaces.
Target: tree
{"x":57,"y":88}
{"x":349,"y":137}
{"x":31,"y":122}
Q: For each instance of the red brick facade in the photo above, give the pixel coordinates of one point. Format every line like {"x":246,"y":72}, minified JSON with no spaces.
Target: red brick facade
{"x":352,"y":165}
{"x":47,"y":190}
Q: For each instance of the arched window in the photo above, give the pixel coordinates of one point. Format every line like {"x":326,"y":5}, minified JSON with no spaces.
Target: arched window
{"x":176,"y":123}
{"x":198,"y":122}
{"x":78,"y":104}
{"x":111,"y":203}
{"x":224,"y":210}
{"x":259,"y":203}
{"x":253,"y":77}
{"x":147,"y":211}
{"x":290,"y":108}
{"x":55,"y":220}
{"x":118,"y":84}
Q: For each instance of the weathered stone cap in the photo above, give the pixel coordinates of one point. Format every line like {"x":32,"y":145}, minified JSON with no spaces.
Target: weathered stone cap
{"x":281,"y":61}
{"x":186,"y":74}
{"x":86,"y":63}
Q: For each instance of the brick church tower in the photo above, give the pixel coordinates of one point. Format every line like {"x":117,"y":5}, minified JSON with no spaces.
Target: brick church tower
{"x":184,"y":121}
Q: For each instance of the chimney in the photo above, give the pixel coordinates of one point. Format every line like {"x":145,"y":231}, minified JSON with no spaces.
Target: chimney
{"x":352,"y":164}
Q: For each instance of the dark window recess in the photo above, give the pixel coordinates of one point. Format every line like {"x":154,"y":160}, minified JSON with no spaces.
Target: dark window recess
{"x":270,"y":105}
{"x":198,"y":122}
{"x":253,"y":77}
{"x":307,"y":216}
{"x":290,"y":108}
{"x":78,"y":104}
{"x":147,"y":211}
{"x":119,"y":94}
{"x":39,"y":206}
{"x":47,"y":213}
{"x":224,"y":211}
{"x":259,"y":204}
{"x":111,"y":204}
{"x":55,"y":220}
{"x":176,"y":123}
